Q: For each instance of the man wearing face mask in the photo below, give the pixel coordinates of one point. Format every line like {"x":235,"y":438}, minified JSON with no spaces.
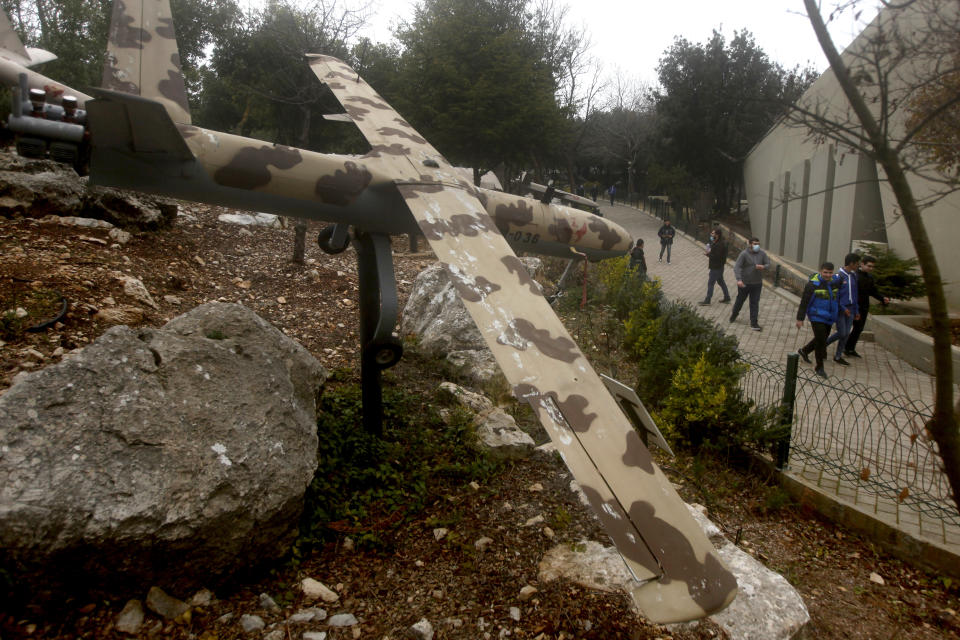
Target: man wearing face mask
{"x":716,"y":253}
{"x":748,"y":270}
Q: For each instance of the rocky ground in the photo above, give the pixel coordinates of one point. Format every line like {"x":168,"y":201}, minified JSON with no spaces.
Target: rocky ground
{"x":853,"y":589}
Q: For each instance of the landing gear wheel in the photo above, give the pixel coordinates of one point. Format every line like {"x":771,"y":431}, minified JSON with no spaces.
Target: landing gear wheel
{"x":324,"y":240}
{"x":386,"y":354}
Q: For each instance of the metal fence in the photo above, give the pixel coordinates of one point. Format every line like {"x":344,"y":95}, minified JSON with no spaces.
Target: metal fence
{"x":868,"y":439}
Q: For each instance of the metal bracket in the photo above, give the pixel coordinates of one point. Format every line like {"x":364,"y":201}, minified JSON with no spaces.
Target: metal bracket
{"x":379,"y":348}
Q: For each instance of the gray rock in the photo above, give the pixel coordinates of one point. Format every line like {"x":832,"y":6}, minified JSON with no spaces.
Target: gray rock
{"x":130,"y":619}
{"x":422,"y":630}
{"x":435,"y":314}
{"x":251,"y":623}
{"x":497,"y":430}
{"x":37,"y":188}
{"x":276,"y":634}
{"x":161,"y":456}
{"x":314,"y":635}
{"x":164,"y":605}
{"x":268,"y":603}
{"x":342,"y":620}
{"x":313,"y":614}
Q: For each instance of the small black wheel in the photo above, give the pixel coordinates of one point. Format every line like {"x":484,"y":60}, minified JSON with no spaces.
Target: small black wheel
{"x":324,"y":241}
{"x":386,"y":354}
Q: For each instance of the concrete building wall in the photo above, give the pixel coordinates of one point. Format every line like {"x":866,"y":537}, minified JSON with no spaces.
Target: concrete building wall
{"x":845,"y":199}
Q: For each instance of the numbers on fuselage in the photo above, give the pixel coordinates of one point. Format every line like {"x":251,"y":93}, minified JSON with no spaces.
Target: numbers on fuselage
{"x":525,"y":237}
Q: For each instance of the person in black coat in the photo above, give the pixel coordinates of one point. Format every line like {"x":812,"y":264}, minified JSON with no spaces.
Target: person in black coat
{"x":716,"y":253}
{"x":666,"y":234}
{"x":866,"y":289}
{"x":637,"y":261}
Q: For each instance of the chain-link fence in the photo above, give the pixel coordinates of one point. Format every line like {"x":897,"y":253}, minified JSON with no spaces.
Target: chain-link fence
{"x":871,"y":440}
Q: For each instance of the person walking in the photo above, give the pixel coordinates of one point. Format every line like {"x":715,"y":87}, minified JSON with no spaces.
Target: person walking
{"x":748,"y":270}
{"x":818,"y":303}
{"x":866,"y":289}
{"x":849,"y":310}
{"x":637,"y":261}
{"x":666,"y":234}
{"x":716,"y":259}
{"x":612,"y":191}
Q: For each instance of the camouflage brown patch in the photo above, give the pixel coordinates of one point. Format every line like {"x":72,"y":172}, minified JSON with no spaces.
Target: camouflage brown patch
{"x":402,"y":123}
{"x":515,"y":266}
{"x":356,"y":112}
{"x":608,"y":237}
{"x":471,"y":290}
{"x":413,"y":190}
{"x":336,"y":85}
{"x":165,"y":30}
{"x":395,"y":149}
{"x":709,"y":583}
{"x":123,"y":35}
{"x":388,"y":131}
{"x":637,"y":455}
{"x":249,"y":167}
{"x":373,"y":104}
{"x":518,"y":215}
{"x":344,"y":186}
{"x":111,"y":78}
{"x":460,"y":224}
{"x":559,"y":348}
{"x":574,"y":410}
{"x":625,"y":534}
{"x":340,"y":74}
{"x":562,"y":231}
{"x":173,"y":89}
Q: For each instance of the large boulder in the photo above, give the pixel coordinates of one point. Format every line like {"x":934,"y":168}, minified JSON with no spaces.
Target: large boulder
{"x":35,"y":188}
{"x":435,"y":314}
{"x":169,"y":456}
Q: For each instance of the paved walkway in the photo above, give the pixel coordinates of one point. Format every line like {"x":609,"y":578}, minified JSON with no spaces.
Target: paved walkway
{"x":685,"y":279}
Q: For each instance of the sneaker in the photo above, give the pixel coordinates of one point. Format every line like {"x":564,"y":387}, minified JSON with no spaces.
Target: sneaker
{"x":756,"y":327}
{"x":803,"y":354}
{"x":852,"y":354}
{"x":821,"y":373}
{"x":703,"y":303}
{"x":725,"y":301}
{"x":841,"y":361}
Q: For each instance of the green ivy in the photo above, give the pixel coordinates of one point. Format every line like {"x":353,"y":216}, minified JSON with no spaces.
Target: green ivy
{"x":366,"y":485}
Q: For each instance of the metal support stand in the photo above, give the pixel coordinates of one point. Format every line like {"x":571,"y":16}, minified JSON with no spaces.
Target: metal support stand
{"x":379,"y":348}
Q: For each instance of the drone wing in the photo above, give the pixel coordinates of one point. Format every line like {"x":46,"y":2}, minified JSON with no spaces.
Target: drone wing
{"x":679,"y":574}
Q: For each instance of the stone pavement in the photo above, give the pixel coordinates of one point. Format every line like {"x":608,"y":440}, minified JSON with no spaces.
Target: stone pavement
{"x":685,"y":279}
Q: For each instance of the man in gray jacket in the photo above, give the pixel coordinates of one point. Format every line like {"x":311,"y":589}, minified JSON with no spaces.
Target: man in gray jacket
{"x":748,"y":270}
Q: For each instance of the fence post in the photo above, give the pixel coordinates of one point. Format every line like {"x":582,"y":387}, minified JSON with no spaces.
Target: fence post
{"x":786,"y":408}
{"x":776,"y":276}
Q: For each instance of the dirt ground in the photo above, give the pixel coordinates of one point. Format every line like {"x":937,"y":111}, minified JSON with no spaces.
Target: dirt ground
{"x":852,"y":588}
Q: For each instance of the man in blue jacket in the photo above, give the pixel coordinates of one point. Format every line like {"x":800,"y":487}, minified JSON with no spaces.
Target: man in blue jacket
{"x":819,"y":303}
{"x":849,"y":309}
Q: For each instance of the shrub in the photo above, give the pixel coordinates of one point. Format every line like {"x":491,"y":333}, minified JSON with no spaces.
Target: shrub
{"x":896,"y":277}
{"x":365,"y":485}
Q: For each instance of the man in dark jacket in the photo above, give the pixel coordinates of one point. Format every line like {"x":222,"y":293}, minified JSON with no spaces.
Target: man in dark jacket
{"x":716,"y":259}
{"x":819,"y":303}
{"x":849,"y":310}
{"x":866,"y":289}
{"x":637,"y":261}
{"x":666,"y":234}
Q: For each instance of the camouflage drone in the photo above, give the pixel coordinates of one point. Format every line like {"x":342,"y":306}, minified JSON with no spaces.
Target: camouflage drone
{"x":142,"y":139}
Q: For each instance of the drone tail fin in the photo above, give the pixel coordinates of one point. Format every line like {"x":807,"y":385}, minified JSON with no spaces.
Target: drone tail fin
{"x":143,"y":58}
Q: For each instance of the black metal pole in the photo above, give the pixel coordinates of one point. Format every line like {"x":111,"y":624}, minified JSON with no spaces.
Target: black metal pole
{"x":787,"y":407}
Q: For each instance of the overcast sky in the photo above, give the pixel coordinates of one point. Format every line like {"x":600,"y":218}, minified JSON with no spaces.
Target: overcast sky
{"x":631,"y":35}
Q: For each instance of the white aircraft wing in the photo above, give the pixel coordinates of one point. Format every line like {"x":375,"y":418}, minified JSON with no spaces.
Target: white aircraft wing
{"x":679,"y":574}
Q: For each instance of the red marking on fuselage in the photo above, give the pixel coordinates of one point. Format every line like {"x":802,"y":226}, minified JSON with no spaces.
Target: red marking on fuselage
{"x":579,"y":233}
